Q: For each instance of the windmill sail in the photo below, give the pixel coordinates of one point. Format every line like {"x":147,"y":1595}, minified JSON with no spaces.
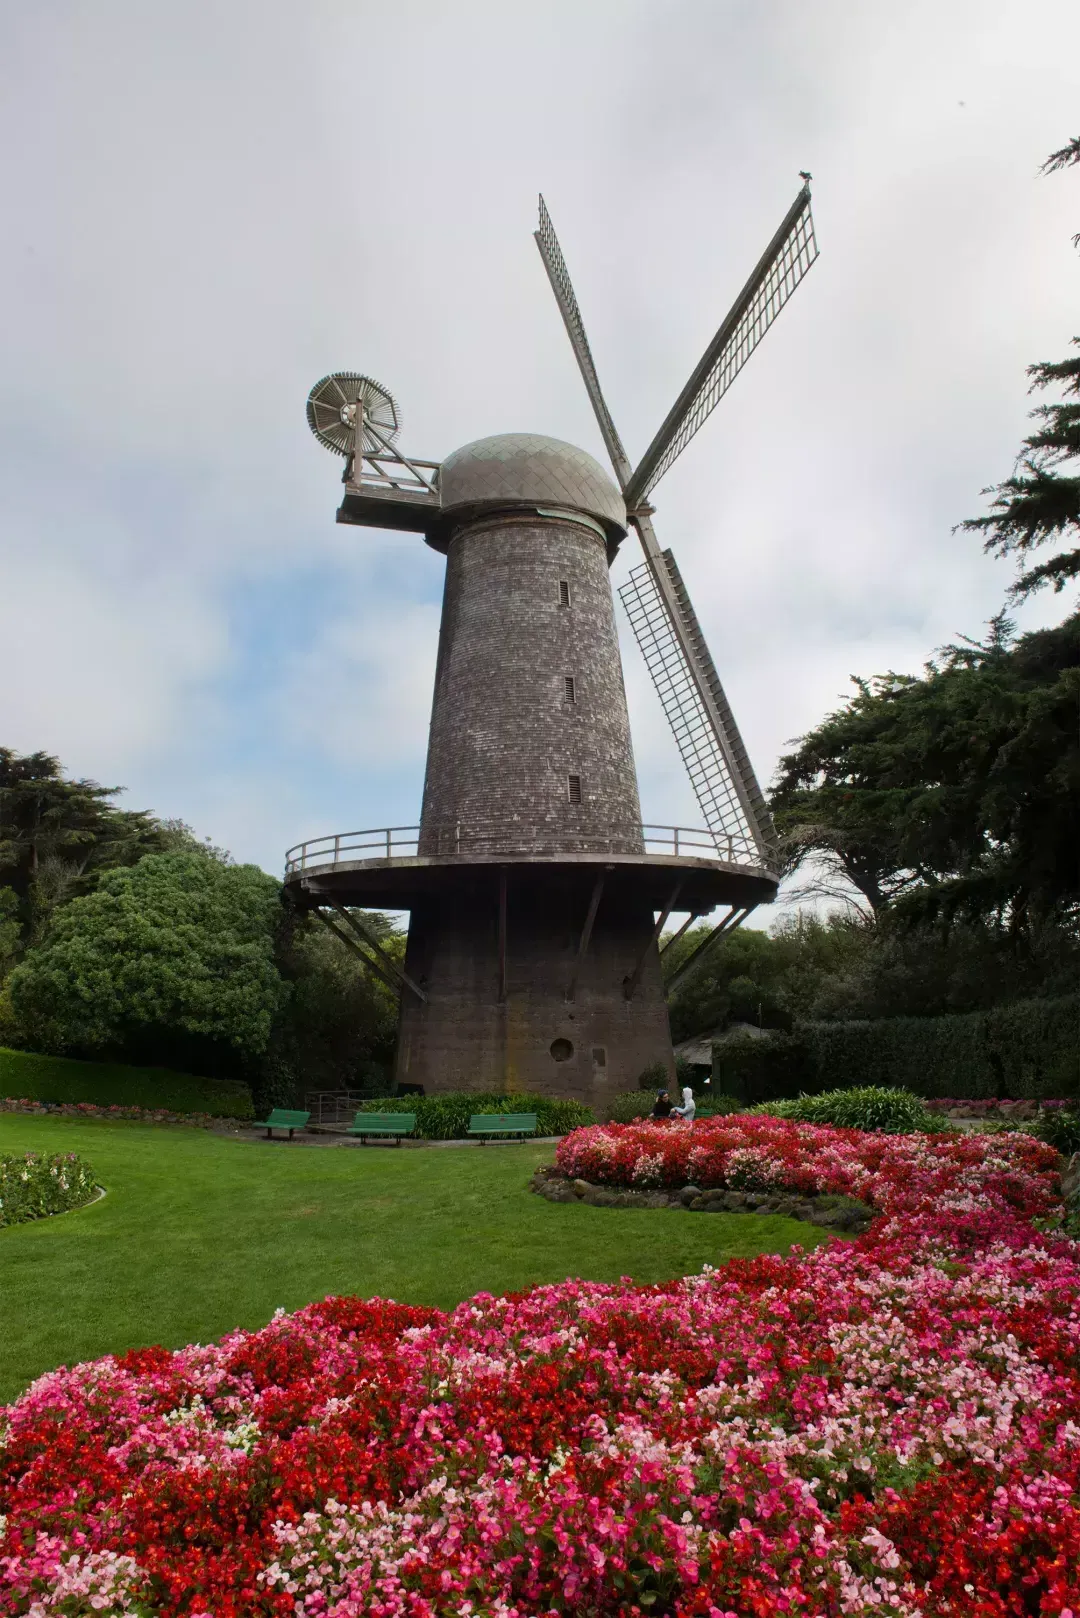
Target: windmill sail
{"x":778,"y":272}
{"x":559,"y":276}
{"x":695,"y":704}
{"x":656,"y":600}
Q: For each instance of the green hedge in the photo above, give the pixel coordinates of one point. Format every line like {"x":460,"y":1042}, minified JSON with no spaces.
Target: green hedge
{"x":755,"y":1070}
{"x":27,"y":1076}
{"x":1029,"y":1049}
{"x":446,"y":1117}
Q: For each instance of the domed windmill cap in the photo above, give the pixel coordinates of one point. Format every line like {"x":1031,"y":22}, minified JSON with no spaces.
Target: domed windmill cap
{"x":527,"y":469}
{"x":331,"y":412}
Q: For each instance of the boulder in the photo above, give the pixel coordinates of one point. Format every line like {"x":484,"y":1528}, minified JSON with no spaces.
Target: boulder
{"x":559,"y":1191}
{"x":599,"y":1196}
{"x":688,"y":1193}
{"x":1070,"y":1179}
{"x":580,"y":1187}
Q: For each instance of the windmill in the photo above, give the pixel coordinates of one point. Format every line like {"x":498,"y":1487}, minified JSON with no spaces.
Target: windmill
{"x":537,"y":895}
{"x":657,"y":603}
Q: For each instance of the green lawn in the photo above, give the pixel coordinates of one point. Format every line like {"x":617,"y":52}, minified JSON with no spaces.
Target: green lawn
{"x":200,"y":1233}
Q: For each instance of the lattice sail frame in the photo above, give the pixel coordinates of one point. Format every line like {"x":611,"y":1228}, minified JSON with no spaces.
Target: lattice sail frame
{"x":657,"y":603}
{"x":786,"y":260}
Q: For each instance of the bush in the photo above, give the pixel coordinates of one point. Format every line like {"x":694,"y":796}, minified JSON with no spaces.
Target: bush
{"x":33,"y":1186}
{"x":26,"y":1076}
{"x":876,"y":1110}
{"x":1028,"y":1049}
{"x":632,"y":1104}
{"x":654,"y":1077}
{"x":718,"y":1106}
{"x":760,"y":1069}
{"x":176,"y":951}
{"x":1059,"y":1127}
{"x":446,"y":1117}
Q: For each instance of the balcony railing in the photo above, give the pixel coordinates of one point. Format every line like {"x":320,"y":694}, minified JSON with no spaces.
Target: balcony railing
{"x":404,"y":842}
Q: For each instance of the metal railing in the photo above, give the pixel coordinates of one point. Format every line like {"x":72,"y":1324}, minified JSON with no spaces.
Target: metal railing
{"x":467,"y":838}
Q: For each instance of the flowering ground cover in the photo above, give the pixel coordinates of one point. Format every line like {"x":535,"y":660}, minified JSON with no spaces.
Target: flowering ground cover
{"x":33,"y":1186}
{"x":886,"y":1426}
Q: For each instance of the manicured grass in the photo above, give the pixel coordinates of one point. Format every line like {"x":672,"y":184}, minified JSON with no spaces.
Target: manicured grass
{"x":28,"y":1076}
{"x":200,"y":1233}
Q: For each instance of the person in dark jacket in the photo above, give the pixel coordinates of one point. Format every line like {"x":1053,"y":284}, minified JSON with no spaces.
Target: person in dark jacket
{"x":662,"y":1105}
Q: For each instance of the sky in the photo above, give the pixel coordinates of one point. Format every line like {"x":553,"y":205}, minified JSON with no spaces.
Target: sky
{"x":211,"y":204}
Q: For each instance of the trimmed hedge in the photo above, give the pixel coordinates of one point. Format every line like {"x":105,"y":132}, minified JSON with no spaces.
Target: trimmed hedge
{"x":1027,"y":1050}
{"x":754,"y":1070}
{"x":27,"y":1076}
{"x":446,"y":1117}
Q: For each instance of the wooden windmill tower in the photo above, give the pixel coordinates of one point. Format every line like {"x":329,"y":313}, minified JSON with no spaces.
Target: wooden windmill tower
{"x":537,"y":896}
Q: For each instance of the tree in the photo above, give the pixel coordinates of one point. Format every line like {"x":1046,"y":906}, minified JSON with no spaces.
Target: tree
{"x":770,"y":979}
{"x":336,"y":1030}
{"x":1040,"y":502}
{"x":957,"y":793}
{"x":170,"y":957}
{"x":57,"y":835}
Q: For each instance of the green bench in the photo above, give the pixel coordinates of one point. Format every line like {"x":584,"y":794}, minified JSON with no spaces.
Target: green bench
{"x":377,"y":1125}
{"x":501,"y":1125}
{"x":283,"y":1118}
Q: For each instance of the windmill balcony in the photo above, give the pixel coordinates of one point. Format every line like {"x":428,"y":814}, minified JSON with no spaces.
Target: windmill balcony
{"x":391,"y":866}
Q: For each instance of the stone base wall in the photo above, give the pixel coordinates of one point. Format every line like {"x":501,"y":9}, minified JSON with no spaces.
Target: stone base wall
{"x":465,"y":1037}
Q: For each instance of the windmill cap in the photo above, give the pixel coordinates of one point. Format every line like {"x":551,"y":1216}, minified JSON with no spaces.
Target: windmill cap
{"x":527,"y":469}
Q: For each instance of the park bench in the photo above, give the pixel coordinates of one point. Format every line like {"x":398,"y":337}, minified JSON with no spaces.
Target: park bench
{"x":496,"y":1125}
{"x":392,"y":1125}
{"x":283,"y":1118}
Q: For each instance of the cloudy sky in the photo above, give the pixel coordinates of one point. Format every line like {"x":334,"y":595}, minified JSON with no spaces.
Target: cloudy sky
{"x":209,"y":205}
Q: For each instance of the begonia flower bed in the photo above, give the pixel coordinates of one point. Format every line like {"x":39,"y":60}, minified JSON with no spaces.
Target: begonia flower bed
{"x":886,"y":1426}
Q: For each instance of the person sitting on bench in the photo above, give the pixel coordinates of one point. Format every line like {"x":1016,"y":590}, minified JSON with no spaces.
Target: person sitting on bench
{"x":662,"y":1105}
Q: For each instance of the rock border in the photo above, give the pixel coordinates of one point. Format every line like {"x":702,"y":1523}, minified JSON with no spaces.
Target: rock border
{"x":829,"y":1211}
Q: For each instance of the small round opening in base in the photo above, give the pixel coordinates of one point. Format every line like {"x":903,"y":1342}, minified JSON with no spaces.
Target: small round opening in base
{"x":561,"y":1050}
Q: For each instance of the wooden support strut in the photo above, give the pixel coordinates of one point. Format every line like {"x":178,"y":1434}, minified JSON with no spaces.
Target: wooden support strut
{"x":630,"y":984}
{"x":736,"y":915}
{"x":586,"y":934}
{"x":674,"y":939}
{"x":388,"y":964}
{"x":350,"y":943}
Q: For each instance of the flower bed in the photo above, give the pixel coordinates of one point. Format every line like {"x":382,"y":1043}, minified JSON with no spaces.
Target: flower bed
{"x":33,"y":1186}
{"x":958,"y":1108}
{"x":87,"y":1109}
{"x":887,"y":1426}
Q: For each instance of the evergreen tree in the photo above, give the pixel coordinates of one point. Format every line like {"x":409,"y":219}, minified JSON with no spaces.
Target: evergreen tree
{"x":1040,"y":503}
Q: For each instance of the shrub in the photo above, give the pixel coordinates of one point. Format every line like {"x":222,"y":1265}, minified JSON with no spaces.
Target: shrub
{"x":33,"y":1185}
{"x":654,"y":1077}
{"x":446,"y":1117}
{"x":718,"y":1106}
{"x":632,"y":1104}
{"x":26,"y":1076}
{"x":871,"y":1108}
{"x":760,"y":1069}
{"x":1059,"y":1127}
{"x":1028,"y":1049}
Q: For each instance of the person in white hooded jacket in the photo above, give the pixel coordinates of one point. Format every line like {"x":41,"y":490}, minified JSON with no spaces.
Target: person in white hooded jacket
{"x":688,"y":1108}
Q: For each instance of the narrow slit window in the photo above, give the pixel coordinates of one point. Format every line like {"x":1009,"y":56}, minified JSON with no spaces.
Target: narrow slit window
{"x":573,"y":788}
{"x":569,"y":693}
{"x":564,"y":592}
